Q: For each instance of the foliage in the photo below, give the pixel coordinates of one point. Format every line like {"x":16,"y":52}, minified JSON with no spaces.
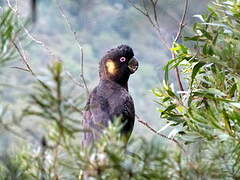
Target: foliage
{"x":9,"y":30}
{"x":13,"y":167}
{"x":209,"y":109}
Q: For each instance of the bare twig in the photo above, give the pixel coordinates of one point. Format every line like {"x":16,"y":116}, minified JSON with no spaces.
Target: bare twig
{"x":154,"y":5}
{"x":78,"y":44}
{"x":180,"y":28}
{"x":49,"y":51}
{"x":145,"y":13}
{"x":82,"y":73}
{"x":23,"y":58}
{"x":181,"y":24}
{"x":10,"y":6}
{"x":15,"y":10}
{"x":73,"y":79}
{"x":41,"y":43}
{"x":34,"y":39}
{"x":19,"y":68}
{"x":158,"y":133}
{"x":153,"y":21}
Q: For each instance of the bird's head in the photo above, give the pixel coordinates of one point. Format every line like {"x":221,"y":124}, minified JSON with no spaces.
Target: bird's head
{"x":118,"y":64}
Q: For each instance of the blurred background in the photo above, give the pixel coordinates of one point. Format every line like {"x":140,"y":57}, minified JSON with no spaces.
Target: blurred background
{"x":99,"y":26}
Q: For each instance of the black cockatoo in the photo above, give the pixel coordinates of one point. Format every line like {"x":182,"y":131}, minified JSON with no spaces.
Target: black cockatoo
{"x":110,"y":99}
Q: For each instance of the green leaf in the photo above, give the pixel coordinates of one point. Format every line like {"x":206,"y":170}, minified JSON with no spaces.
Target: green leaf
{"x":169,"y":108}
{"x":166,"y":73}
{"x":195,"y":70}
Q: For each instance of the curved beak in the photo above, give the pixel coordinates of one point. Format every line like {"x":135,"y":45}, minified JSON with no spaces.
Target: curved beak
{"x":133,"y":65}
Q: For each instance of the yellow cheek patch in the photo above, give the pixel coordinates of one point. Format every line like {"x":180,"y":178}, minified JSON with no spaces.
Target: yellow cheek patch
{"x":111,"y":68}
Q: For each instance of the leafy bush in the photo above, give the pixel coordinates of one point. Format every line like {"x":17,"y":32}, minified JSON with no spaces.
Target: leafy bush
{"x":209,"y":109}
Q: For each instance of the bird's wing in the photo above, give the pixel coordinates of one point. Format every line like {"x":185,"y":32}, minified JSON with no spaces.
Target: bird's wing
{"x":123,"y":107}
{"x":96,"y":115}
{"x":87,"y":119}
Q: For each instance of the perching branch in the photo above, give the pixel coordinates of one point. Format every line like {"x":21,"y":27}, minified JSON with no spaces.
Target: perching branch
{"x":158,"y":133}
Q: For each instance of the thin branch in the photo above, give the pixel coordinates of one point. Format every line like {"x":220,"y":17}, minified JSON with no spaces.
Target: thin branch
{"x":49,"y":51}
{"x":73,"y":79}
{"x":154,"y":22}
{"x":179,"y":79}
{"x":154,"y":5}
{"x":78,"y":43}
{"x":41,"y":43}
{"x":82,"y":73}
{"x":22,"y":53}
{"x":158,"y":133}
{"x":23,"y":58}
{"x":11,"y":7}
{"x":60,"y":126}
{"x":181,"y":24}
{"x":19,"y":68}
{"x":138,"y":8}
{"x":180,"y":28}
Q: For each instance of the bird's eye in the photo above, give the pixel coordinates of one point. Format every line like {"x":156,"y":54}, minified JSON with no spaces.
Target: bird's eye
{"x":122,"y":59}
